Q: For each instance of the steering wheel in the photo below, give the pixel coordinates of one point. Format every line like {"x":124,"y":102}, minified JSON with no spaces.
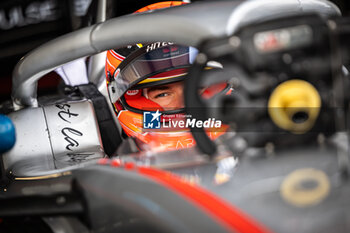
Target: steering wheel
{"x":282,"y":73}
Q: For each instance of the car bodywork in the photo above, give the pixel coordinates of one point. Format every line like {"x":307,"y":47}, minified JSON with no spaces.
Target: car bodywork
{"x":48,"y":161}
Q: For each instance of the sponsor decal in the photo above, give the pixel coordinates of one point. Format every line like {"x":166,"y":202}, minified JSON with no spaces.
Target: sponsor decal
{"x":69,"y":133}
{"x":156,"y":45}
{"x":132,"y":92}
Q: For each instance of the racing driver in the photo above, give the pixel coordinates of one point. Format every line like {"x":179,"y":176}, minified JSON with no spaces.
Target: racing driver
{"x":146,"y":90}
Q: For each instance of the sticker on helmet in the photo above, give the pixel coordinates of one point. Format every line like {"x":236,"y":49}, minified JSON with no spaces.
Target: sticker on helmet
{"x":156,"y":45}
{"x":132,"y":92}
{"x":116,"y":72}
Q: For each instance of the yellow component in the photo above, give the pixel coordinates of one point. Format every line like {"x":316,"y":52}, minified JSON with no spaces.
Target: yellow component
{"x":139,"y":45}
{"x":305,"y":187}
{"x":44,"y":177}
{"x":221,"y":178}
{"x":149,"y":80}
{"x":294,"y":105}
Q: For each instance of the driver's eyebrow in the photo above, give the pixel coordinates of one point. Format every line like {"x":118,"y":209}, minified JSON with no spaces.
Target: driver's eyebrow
{"x":160,"y":88}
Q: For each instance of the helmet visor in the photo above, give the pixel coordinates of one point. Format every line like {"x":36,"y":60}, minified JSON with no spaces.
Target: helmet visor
{"x":136,"y":71}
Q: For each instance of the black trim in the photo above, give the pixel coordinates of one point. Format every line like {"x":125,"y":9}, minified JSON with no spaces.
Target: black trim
{"x":4,"y":178}
{"x":160,"y":82}
{"x":132,"y":85}
{"x":130,"y":58}
{"x":111,"y":139}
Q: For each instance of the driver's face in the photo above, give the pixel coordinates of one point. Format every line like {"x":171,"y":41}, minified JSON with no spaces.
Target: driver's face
{"x":169,"y":96}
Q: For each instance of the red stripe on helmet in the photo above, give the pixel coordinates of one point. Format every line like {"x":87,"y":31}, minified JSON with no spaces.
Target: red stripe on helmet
{"x":116,"y":55}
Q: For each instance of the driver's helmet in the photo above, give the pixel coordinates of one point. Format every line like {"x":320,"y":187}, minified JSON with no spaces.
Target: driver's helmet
{"x":116,"y":56}
{"x":145,"y":76}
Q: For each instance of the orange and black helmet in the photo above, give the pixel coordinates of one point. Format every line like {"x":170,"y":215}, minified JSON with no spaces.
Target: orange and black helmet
{"x":132,"y":70}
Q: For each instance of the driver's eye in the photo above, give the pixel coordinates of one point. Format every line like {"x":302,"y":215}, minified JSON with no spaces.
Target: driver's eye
{"x":164,"y":94}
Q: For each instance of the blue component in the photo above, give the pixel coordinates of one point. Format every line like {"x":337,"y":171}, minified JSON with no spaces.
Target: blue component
{"x":7,"y":134}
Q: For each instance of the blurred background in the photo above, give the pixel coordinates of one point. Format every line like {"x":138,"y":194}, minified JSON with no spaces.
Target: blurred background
{"x":26,"y":24}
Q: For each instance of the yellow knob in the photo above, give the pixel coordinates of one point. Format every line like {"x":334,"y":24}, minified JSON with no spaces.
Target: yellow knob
{"x":294,"y":105}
